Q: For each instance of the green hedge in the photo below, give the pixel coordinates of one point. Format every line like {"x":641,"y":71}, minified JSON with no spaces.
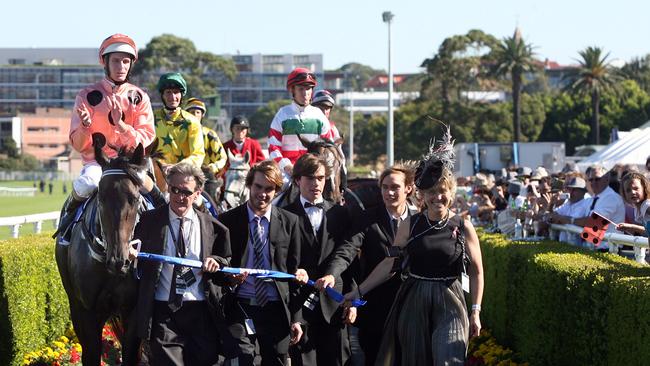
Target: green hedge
{"x":559,"y":305}
{"x":33,"y":304}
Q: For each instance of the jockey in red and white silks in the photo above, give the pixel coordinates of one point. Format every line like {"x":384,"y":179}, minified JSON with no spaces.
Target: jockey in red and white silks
{"x":297,"y":118}
{"x":308,"y":121}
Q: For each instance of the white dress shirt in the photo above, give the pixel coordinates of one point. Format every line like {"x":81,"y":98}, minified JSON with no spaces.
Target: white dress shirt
{"x":315,"y":214}
{"x":574,"y":210}
{"x":192,"y":237}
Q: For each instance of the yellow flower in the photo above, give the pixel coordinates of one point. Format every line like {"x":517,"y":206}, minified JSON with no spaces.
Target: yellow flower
{"x":65,"y":339}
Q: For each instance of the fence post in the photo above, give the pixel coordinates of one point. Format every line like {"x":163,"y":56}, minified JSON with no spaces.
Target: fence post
{"x":15,"y":230}
{"x":38,"y":226}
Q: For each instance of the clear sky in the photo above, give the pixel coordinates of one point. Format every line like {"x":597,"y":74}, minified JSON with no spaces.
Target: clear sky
{"x":343,"y":31}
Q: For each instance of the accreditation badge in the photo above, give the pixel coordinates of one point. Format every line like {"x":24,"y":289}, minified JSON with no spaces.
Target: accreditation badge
{"x":465,"y":282}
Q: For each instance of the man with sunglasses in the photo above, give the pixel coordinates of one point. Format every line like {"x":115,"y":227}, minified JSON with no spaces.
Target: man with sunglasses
{"x":179,"y":307}
{"x":605,"y":201}
{"x":297,"y":118}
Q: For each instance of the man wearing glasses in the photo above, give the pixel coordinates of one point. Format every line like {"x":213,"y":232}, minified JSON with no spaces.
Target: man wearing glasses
{"x":605,"y":201}
{"x":178,"y":307}
{"x":297,"y":118}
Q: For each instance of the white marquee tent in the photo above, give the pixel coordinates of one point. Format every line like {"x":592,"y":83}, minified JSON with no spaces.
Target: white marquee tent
{"x":633,"y":148}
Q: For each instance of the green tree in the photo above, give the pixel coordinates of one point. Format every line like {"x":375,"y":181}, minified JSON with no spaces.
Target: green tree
{"x":457,"y":66}
{"x":638,"y":69}
{"x":357,"y":75}
{"x":513,"y":57}
{"x":261,"y":120}
{"x":8,"y":146}
{"x":593,"y":77}
{"x":169,"y":53}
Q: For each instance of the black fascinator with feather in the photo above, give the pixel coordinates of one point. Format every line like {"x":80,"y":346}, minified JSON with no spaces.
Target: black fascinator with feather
{"x":440,"y":157}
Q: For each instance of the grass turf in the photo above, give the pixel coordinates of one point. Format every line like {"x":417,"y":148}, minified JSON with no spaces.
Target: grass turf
{"x":39,"y":203}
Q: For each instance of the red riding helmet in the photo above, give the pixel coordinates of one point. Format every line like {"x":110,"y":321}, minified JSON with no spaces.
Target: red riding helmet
{"x":118,"y":43}
{"x":301,"y":76}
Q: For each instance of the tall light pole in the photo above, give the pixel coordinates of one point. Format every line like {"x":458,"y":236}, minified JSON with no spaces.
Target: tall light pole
{"x":351,"y":132}
{"x":387,"y":17}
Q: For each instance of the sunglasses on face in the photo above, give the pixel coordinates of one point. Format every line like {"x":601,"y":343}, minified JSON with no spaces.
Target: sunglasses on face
{"x":595,"y":179}
{"x":184,"y":192}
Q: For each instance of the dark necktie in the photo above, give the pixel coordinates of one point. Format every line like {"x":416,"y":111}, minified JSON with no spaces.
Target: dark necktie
{"x":317,"y":205}
{"x":258,"y":263}
{"x":593,"y":203}
{"x":395,"y":224}
{"x":175,"y":299}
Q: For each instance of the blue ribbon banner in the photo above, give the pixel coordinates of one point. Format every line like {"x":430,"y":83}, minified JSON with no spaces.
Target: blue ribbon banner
{"x":258,"y":273}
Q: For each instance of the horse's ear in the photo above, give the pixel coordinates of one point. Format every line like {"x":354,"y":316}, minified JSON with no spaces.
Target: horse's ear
{"x":153,"y":146}
{"x":339,"y":141}
{"x":99,"y":141}
{"x":247,"y":157}
{"x":303,"y":141}
{"x":138,"y":156}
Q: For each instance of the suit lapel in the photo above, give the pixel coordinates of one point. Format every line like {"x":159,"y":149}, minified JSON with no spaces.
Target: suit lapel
{"x":274,"y":226}
{"x":305,"y":224}
{"x":324,"y":232}
{"x":163,"y":218}
{"x":242,"y":235}
{"x":207,"y":234}
{"x":384,"y":224}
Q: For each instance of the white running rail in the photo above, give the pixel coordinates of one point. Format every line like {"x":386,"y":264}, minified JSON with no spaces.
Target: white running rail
{"x":37,"y":219}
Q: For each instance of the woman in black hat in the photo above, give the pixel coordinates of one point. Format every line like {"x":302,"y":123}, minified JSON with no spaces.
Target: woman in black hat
{"x":429,"y":323}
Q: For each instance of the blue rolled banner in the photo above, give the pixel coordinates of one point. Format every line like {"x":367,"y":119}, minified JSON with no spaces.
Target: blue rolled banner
{"x":257,"y":273}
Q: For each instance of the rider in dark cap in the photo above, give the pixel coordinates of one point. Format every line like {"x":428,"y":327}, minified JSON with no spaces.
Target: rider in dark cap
{"x":240,"y":143}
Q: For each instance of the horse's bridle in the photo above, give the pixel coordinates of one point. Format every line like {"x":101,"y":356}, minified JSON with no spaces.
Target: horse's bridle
{"x":99,"y":253}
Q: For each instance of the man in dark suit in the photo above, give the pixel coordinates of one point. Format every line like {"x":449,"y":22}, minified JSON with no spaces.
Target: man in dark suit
{"x":178,"y":307}
{"x":262,"y":237}
{"x":379,"y":227}
{"x":324,"y":226}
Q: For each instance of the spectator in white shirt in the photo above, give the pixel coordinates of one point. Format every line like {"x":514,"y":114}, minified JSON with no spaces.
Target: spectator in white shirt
{"x":575,"y":207}
{"x":605,"y":202}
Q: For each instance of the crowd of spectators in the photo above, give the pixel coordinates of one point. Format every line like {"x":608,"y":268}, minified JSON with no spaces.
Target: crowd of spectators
{"x":524,"y":202}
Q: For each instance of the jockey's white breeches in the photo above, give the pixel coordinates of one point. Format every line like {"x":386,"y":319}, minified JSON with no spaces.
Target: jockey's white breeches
{"x":88,"y":181}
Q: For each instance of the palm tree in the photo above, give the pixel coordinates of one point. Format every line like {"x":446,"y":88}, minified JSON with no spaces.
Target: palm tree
{"x":593,"y":77}
{"x":514,"y":57}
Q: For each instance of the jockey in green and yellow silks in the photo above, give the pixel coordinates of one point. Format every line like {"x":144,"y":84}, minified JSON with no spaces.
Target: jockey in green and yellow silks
{"x":215,"y":155}
{"x":179,"y":133}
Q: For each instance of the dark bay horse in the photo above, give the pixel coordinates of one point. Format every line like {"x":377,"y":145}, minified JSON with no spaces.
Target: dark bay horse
{"x":94,"y":267}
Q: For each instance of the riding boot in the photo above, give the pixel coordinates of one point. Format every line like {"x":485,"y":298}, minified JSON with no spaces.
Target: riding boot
{"x":67,"y":217}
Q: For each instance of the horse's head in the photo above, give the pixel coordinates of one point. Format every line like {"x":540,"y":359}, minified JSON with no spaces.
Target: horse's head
{"x":118,"y":200}
{"x":235,"y":191}
{"x":329,"y":150}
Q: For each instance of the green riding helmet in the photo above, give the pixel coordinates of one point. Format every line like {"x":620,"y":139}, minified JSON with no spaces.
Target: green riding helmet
{"x":172,"y":80}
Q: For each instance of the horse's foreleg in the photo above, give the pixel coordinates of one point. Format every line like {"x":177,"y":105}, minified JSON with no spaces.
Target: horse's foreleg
{"x":129,"y":340}
{"x":88,"y":328}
